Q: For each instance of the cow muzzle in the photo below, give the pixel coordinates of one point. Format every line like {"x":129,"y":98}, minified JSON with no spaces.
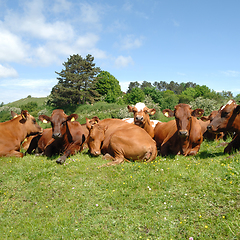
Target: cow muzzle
{"x":183,"y":133}
{"x":95,"y":153}
{"x":56,"y":135}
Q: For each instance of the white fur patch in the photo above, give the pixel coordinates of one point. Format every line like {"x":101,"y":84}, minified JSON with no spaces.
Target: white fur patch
{"x":140,"y":106}
{"x":228,"y":103}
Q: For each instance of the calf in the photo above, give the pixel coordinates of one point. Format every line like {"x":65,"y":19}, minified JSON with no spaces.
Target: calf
{"x":184,"y":136}
{"x":119,"y":143}
{"x":228,"y":120}
{"x":141,"y":117}
{"x":14,"y":131}
{"x":67,"y":135}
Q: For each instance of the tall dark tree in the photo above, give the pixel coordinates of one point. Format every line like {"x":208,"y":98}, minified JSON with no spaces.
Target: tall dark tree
{"x":133,"y":85}
{"x":146,"y":84}
{"x":76,"y":82}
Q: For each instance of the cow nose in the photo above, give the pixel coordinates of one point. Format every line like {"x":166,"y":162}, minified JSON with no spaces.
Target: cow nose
{"x":183,"y":133}
{"x":209,"y":127}
{"x":139,"y":118}
{"x":56,"y":135}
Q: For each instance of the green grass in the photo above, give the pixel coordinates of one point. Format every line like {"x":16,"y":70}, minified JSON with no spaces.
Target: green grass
{"x":170,"y":198}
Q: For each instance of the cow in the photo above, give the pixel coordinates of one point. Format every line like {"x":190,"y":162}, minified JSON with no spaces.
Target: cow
{"x":228,"y":120}
{"x":141,"y":117}
{"x":14,"y":131}
{"x":204,"y":122}
{"x":67,"y":135}
{"x":182,"y":135}
{"x":120,"y":141}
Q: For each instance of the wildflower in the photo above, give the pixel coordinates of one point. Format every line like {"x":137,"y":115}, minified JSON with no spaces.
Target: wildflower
{"x":96,"y":205}
{"x":73,"y":188}
{"x":206,"y":226}
{"x":223,"y":216}
{"x":191,"y":238}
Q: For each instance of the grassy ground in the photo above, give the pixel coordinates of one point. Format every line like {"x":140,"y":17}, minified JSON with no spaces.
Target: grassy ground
{"x":171,"y":198}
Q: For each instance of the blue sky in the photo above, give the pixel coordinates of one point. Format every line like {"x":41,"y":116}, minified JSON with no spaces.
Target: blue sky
{"x":134,"y":40}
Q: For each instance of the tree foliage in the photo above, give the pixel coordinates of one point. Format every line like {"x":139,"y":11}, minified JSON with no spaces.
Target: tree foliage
{"x":76,"y":82}
{"x":107,"y":85}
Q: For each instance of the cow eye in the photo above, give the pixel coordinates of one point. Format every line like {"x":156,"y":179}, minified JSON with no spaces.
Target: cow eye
{"x":34,"y":121}
{"x":224,"y":114}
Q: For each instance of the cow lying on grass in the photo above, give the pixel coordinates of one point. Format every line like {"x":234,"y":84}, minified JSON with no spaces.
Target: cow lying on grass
{"x":228,"y":120}
{"x":182,"y":135}
{"x":119,"y":141}
{"x":67,"y":135}
{"x":14,"y":131}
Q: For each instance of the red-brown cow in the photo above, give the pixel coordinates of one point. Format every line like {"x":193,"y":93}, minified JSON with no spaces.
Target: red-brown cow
{"x":119,"y":143}
{"x":67,"y":135}
{"x":228,"y":120}
{"x":14,"y":131}
{"x":182,"y":137}
{"x":204,"y":122}
{"x":141,"y":117}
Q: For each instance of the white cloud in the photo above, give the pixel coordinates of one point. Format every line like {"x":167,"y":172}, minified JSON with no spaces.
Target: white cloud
{"x":231,"y":73}
{"x":6,"y":72}
{"x":122,"y":61}
{"x":131,"y":42}
{"x":12,"y":48}
{"x":61,"y":6}
{"x":89,"y":13}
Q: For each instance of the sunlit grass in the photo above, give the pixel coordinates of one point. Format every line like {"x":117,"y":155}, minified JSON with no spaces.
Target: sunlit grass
{"x":170,"y":198}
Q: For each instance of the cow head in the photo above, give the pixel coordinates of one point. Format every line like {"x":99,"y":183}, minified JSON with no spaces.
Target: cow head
{"x":183,"y":114}
{"x":29,"y":123}
{"x":225,"y":117}
{"x":141,"y":112}
{"x":212,"y":115}
{"x":58,"y":121}
{"x":95,"y":137}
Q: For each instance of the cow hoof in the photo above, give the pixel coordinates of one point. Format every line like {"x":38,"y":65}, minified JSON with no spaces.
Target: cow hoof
{"x":60,"y":161}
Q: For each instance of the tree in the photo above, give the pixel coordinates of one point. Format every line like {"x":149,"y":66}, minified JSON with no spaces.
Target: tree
{"x":107,"y":85}
{"x":135,"y":96}
{"x":76,"y":82}
{"x":133,"y":85}
{"x":145,"y":84}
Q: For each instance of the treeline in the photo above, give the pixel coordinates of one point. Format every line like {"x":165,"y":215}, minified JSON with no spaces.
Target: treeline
{"x":81,"y":82}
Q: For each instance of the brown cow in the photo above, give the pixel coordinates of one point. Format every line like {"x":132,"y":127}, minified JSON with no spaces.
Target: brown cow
{"x":182,"y":136}
{"x":14,"y":131}
{"x":67,"y":135}
{"x":141,"y":117}
{"x":204,"y":122}
{"x":120,"y":142}
{"x":228,"y":120}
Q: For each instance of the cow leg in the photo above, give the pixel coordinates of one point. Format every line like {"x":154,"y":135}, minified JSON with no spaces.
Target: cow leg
{"x":71,"y":150}
{"x":14,"y":153}
{"x":233,"y":145}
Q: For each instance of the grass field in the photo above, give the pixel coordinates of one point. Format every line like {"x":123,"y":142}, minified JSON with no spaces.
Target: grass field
{"x":170,"y":198}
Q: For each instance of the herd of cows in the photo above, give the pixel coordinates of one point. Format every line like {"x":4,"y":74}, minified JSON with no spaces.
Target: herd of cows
{"x":119,"y":140}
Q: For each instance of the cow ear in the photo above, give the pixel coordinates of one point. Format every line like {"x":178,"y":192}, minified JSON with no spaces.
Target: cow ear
{"x":24,"y":114}
{"x":73,"y":117}
{"x":44,"y":118}
{"x":197,"y":112}
{"x":88,"y":124}
{"x":204,"y":118}
{"x":130,"y":108}
{"x":151,"y":111}
{"x":168,"y":113}
{"x":13,"y":114}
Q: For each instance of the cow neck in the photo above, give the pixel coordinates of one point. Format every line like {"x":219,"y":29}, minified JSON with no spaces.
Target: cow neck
{"x":67,"y":138}
{"x":20,"y":133}
{"x":185,"y":142}
{"x":233,"y":123}
{"x":148,"y":127}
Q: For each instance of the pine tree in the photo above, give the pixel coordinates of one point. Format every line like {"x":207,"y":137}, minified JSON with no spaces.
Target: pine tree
{"x":76,"y":82}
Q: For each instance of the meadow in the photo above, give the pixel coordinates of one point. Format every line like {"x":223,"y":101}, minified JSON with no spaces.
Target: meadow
{"x":174,"y":197}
